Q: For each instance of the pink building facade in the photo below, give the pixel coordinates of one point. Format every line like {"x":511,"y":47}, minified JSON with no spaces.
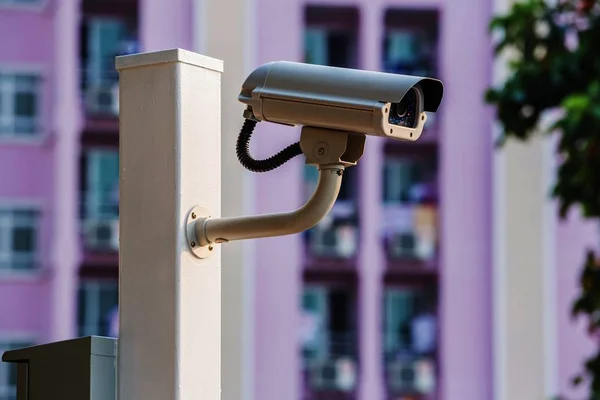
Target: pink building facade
{"x":400,"y":294}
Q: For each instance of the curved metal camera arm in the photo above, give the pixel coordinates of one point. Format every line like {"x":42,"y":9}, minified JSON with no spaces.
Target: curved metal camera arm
{"x":222,"y":230}
{"x":331,"y":151}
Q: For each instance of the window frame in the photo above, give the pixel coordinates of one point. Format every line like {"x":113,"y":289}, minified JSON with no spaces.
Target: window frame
{"x":335,"y":19}
{"x":322,"y":340}
{"x":422,"y":153}
{"x":329,"y":350}
{"x":417,"y":155}
{"x":89,"y":325}
{"x":394,"y":283}
{"x":92,"y":196}
{"x":391,"y":291}
{"x":8,"y":92}
{"x":95,"y":25}
{"x":35,"y":6}
{"x":425,"y":19}
{"x":98,"y":79}
{"x":322,"y":290}
{"x":8,"y":224}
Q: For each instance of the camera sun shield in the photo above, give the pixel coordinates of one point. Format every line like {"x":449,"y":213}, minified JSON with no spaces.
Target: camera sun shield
{"x":367,"y":102}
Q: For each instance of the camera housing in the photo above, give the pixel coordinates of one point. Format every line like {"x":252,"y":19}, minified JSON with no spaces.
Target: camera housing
{"x":336,"y":108}
{"x":368,"y":102}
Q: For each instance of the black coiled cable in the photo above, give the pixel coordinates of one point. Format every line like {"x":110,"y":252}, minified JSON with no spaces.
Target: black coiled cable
{"x":242,"y":149}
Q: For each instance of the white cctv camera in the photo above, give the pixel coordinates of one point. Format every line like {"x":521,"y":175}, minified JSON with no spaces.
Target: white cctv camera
{"x":367,"y":102}
{"x":336,"y":108}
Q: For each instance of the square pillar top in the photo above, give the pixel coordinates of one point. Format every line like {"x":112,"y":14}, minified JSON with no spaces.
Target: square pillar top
{"x":168,"y":56}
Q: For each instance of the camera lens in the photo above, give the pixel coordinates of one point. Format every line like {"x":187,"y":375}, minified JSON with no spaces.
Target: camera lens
{"x":405,"y":112}
{"x":401,"y":109}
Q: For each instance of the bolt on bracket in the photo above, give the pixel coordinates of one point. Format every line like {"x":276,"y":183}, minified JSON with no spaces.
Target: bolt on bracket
{"x":196,"y":214}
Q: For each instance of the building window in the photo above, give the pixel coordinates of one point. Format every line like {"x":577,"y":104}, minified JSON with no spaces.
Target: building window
{"x":101,"y":185}
{"x":17,"y":3}
{"x":103,"y":39}
{"x":410,"y":205}
{"x":330,"y":36}
{"x":329,"y":47}
{"x":8,"y":371}
{"x":329,"y":338}
{"x":19,"y":104}
{"x":97,"y":308}
{"x":410,"y":180}
{"x":410,"y":341}
{"x":410,"y":42}
{"x":18,"y":239}
{"x":100,"y":199}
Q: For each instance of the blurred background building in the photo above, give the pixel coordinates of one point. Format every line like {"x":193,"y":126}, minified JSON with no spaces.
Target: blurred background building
{"x":441,"y":273}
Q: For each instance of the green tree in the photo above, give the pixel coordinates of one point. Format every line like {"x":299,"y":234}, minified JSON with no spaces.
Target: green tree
{"x":553,"y":53}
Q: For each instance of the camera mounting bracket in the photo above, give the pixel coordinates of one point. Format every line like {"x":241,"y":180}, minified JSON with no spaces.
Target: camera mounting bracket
{"x":331,"y":151}
{"x":329,"y":146}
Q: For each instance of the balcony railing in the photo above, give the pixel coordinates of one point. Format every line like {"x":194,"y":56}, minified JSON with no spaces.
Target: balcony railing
{"x":101,"y":234}
{"x":330,"y":364}
{"x":411,"y":375}
{"x":101,"y":92}
{"x":338,"y":374}
{"x":336,"y":236}
{"x":100,"y":222}
{"x":410,"y":232}
{"x":102,"y":100}
{"x":100,"y":81}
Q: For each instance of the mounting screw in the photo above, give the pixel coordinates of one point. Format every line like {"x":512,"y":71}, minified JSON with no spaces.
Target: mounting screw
{"x":194,"y":244}
{"x":210,"y":248}
{"x":321,"y":151}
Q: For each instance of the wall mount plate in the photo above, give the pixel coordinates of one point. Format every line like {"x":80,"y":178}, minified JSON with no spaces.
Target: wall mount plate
{"x":197,"y":215}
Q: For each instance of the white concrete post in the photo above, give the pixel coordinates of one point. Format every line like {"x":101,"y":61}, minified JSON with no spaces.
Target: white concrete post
{"x":170,"y":300}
